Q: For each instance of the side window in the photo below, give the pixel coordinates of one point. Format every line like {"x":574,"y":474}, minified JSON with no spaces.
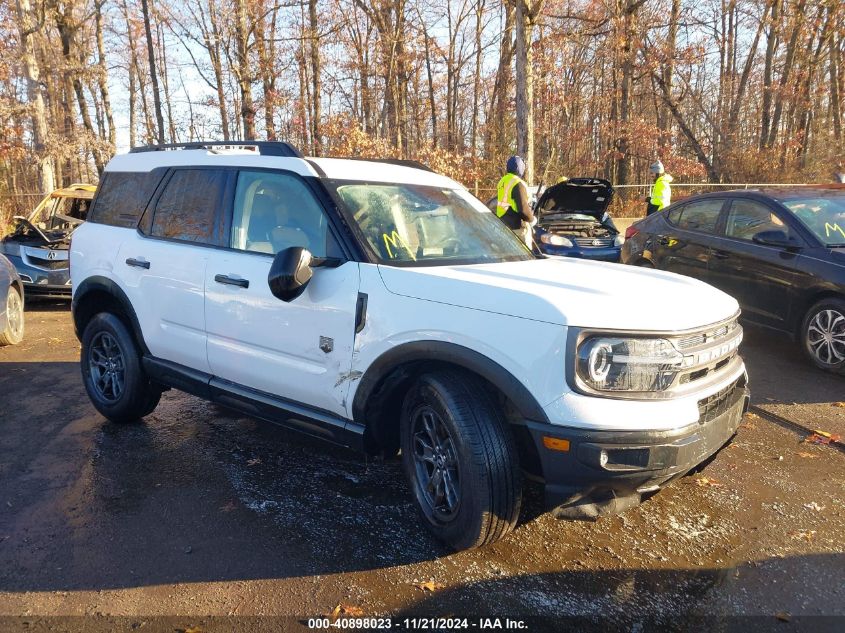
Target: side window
{"x":274,"y":211}
{"x":188,"y":208}
{"x":746,"y":218}
{"x":122,"y":197}
{"x":700,"y":216}
{"x":674,"y":214}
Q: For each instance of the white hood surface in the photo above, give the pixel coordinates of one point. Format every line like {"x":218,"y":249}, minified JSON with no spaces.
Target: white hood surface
{"x":570,"y":292}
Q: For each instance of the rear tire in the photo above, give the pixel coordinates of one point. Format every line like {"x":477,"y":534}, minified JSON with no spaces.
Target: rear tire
{"x":112,"y":372}
{"x":13,"y":333}
{"x":823,"y":335}
{"x":460,"y":459}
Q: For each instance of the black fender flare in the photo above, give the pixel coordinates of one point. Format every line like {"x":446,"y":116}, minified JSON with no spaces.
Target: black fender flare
{"x":104,"y":284}
{"x":453,"y":354}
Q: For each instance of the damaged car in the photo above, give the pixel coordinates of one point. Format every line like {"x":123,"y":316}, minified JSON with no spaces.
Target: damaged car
{"x":572,"y":220}
{"x":39,"y":244}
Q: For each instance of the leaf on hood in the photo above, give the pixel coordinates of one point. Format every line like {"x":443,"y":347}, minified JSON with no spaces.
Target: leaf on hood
{"x":254,"y":461}
{"x":428,"y":585}
{"x":783,"y":616}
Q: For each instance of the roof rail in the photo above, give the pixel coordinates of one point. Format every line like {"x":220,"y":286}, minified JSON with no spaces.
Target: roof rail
{"x":265,"y":148}
{"x":402,"y":162}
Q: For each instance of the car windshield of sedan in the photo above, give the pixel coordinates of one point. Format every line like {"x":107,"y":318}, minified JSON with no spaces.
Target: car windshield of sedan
{"x":823,"y":215}
{"x":405,"y":224}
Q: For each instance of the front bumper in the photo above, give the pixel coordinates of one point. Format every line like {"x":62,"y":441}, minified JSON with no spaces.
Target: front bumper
{"x":604,"y":472}
{"x":43,"y":284}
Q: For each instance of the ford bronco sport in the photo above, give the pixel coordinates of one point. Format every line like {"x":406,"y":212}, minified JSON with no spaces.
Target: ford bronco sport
{"x":380,"y":306}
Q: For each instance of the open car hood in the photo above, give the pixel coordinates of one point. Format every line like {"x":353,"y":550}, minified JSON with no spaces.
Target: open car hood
{"x":582,"y":196}
{"x":26,"y":231}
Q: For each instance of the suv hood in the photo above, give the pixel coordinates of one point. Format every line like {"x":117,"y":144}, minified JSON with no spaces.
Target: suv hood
{"x":570,"y":292}
{"x":584,"y":196}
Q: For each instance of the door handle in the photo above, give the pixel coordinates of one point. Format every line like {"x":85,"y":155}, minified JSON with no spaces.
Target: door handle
{"x":231,"y":281}
{"x":721,"y":254}
{"x":138,"y":263}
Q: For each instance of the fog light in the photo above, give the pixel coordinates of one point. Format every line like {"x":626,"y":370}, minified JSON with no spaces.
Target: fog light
{"x":556,"y":443}
{"x":603,"y":458}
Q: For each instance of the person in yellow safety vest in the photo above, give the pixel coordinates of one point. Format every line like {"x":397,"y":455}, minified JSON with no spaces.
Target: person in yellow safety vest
{"x":512,"y":206}
{"x":660,"y":195}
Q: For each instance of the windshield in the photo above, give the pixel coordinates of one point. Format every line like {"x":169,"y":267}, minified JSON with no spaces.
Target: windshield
{"x":406,"y":224}
{"x":823,"y":214}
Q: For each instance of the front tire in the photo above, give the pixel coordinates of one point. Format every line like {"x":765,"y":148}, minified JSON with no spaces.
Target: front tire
{"x":112,"y":373}
{"x":460,"y":459}
{"x":13,"y":333}
{"x":823,"y":335}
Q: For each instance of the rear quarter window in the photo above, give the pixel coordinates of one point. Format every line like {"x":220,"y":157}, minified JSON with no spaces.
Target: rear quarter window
{"x":122,"y":197}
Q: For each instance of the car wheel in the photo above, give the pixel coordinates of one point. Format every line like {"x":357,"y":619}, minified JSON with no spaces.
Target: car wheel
{"x":460,"y":459}
{"x":823,"y":335}
{"x":13,"y":333}
{"x":112,"y":373}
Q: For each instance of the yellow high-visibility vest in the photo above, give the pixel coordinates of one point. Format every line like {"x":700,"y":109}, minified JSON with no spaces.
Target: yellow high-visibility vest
{"x":504,"y":192}
{"x":661,"y":192}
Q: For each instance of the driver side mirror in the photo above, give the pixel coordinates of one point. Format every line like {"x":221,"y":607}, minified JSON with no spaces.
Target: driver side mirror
{"x":290,"y":273}
{"x":775,"y":238}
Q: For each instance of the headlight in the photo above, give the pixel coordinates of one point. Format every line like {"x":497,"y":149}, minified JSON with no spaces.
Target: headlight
{"x":555,"y":240}
{"x":627,"y":364}
{"x":619,"y":240}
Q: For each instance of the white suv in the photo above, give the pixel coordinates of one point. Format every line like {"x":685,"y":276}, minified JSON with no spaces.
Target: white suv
{"x":379,"y":305}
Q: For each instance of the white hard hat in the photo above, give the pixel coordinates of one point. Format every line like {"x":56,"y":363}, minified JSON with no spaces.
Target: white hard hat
{"x":656,"y":167}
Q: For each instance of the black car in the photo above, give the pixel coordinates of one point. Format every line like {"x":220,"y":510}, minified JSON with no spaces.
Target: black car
{"x":11,"y":304}
{"x":780,"y":253}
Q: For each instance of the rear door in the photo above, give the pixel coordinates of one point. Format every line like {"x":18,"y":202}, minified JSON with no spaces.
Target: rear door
{"x":301,"y":350}
{"x":766,"y":280}
{"x":163,"y":264}
{"x":683,"y":243}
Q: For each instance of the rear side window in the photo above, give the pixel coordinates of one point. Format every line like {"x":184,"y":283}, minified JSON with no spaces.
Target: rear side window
{"x":122,"y":197}
{"x":189,"y":206}
{"x":700,"y":216}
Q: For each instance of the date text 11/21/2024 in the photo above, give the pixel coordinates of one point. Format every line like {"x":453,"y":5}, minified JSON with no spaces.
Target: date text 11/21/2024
{"x":417,"y":624}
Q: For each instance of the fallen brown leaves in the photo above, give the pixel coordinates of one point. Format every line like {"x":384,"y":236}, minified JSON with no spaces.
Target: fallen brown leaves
{"x":822,"y":437}
{"x":807,"y":455}
{"x":841,"y":405}
{"x":428,"y":585}
{"x":705,"y":481}
{"x":802,"y":535}
{"x":345,"y":610}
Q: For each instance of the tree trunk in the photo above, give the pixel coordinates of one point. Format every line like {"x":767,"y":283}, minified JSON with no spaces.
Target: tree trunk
{"x":102,"y":74}
{"x":153,"y":76}
{"x":525,"y":20}
{"x":28,"y":27}
{"x":313,"y":35}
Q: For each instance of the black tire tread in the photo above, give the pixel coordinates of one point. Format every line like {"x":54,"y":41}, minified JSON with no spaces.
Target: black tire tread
{"x":494,"y":454}
{"x":141,"y":395}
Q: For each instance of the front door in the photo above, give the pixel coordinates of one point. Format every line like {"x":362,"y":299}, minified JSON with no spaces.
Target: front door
{"x":766,"y":280}
{"x":300,"y":350}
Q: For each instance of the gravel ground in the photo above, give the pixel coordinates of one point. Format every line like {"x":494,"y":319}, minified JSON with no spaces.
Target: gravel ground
{"x":202,"y":515}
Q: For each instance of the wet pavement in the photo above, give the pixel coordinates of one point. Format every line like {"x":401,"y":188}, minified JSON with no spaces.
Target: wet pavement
{"x":197,"y":512}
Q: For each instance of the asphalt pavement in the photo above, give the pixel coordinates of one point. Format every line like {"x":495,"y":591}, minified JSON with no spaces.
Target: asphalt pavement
{"x":198,"y":519}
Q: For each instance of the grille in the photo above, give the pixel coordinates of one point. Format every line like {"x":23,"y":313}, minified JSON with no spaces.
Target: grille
{"x":48,"y":264}
{"x":595,"y":242}
{"x":708,"y":336}
{"x":715,"y":405}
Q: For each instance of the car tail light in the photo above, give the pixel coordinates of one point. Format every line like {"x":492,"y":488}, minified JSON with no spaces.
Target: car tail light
{"x":630,"y":232}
